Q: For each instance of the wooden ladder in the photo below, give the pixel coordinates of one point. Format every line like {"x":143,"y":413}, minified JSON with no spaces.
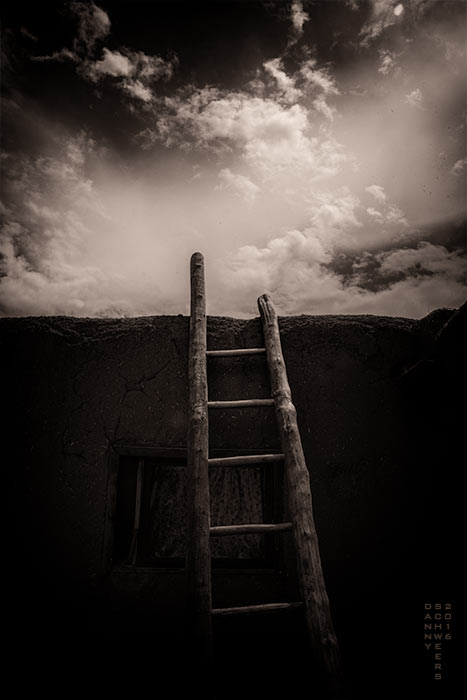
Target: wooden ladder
{"x":314,"y":599}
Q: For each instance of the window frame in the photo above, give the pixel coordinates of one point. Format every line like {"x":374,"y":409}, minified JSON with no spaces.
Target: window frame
{"x":274,"y":548}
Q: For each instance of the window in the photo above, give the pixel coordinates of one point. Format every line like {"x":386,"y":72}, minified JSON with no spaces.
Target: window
{"x":150,"y":513}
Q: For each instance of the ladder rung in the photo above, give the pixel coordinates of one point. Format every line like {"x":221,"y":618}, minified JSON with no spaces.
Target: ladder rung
{"x":245,"y":403}
{"x":247,"y":529}
{"x":268,"y":607}
{"x":238,"y":351}
{"x":245,"y":461}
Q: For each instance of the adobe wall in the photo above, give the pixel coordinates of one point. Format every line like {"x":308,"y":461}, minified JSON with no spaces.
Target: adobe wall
{"x":79,"y":389}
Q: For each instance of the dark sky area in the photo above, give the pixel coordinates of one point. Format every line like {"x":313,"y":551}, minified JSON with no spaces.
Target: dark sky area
{"x":314,"y":150}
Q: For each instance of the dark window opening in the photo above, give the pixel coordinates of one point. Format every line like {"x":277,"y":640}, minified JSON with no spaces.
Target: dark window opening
{"x":151,"y":513}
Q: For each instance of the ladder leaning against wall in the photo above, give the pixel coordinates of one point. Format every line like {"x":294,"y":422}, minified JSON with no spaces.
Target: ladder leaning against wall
{"x":314,"y":600}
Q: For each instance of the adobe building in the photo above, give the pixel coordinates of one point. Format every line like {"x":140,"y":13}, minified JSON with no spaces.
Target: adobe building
{"x":93,"y":402}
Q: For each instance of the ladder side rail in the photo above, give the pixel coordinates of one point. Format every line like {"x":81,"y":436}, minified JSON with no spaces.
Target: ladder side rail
{"x":313,"y":589}
{"x":198,"y":553}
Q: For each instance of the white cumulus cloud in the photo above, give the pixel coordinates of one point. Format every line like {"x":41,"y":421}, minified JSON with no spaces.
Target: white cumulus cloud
{"x":239,"y":184}
{"x":415,"y":98}
{"x":387,"y":62}
{"x":112,"y":63}
{"x":318,"y":77}
{"x":459,"y":167}
{"x":93,"y":24}
{"x":271,"y":137}
{"x":137,"y":89}
{"x":285,"y":84}
{"x":298,"y":17}
{"x":385,"y":13}
{"x":296,"y":270}
{"x":377,"y":192}
{"x":320,"y":104}
{"x":387,"y":213}
{"x":134,"y":72}
{"x":426,"y":257}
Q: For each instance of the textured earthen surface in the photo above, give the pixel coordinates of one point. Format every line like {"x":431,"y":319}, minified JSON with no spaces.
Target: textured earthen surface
{"x":374,"y":438}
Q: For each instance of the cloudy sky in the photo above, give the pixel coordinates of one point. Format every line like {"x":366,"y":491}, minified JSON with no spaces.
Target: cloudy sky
{"x":311,"y":149}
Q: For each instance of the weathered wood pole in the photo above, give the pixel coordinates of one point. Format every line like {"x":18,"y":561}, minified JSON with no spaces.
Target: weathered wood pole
{"x":313,"y":589}
{"x":198,"y":554}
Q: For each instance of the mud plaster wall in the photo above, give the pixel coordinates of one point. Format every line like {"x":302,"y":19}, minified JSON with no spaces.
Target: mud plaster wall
{"x":78,"y":389}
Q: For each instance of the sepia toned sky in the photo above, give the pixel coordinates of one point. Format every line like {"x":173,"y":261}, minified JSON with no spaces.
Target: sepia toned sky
{"x":315,"y":150}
